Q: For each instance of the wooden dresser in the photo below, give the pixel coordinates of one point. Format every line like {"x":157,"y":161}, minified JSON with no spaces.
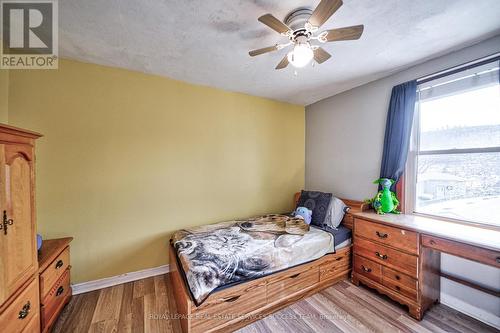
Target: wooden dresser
{"x":55,"y":289}
{"x":19,"y":292}
{"x":391,"y":260}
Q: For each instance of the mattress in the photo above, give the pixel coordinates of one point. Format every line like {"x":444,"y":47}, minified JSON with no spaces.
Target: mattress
{"x":220,"y":255}
{"x":342,"y":235}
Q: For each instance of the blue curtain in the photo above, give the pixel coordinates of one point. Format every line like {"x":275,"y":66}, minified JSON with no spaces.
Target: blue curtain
{"x":398,"y":130}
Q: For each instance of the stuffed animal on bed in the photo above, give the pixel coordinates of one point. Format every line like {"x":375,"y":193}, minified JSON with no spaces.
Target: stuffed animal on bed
{"x":303,"y":213}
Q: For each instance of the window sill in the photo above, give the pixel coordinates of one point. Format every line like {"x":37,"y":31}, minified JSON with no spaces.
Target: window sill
{"x":463,"y":222}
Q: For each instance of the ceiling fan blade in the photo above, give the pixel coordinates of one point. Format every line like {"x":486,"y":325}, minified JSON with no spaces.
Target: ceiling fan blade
{"x":322,"y":13}
{"x":263,"y":50}
{"x":320,"y":55}
{"x":347,"y":33}
{"x":283,"y":63}
{"x":273,"y":23}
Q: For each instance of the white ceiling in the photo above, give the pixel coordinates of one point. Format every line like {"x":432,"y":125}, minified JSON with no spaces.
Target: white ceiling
{"x":207,"y":42}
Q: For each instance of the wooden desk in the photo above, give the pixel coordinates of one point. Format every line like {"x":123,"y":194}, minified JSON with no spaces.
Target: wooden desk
{"x":419,"y":239}
{"x":466,"y":241}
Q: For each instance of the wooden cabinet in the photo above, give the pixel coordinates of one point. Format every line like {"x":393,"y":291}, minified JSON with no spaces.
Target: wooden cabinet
{"x":55,"y":288}
{"x":18,"y":228}
{"x":391,"y":260}
{"x":18,"y":260}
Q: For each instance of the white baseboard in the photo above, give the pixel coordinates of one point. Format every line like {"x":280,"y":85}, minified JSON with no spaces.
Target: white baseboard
{"x":85,"y":287}
{"x":470,"y":310}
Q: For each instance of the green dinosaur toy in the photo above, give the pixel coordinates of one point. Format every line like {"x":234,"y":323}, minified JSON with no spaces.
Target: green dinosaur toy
{"x":385,"y":201}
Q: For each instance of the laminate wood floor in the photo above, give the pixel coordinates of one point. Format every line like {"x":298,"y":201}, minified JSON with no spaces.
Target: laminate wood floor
{"x":147,"y":306}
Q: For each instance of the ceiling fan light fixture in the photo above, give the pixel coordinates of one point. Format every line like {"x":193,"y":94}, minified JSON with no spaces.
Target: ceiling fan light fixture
{"x":301,"y":55}
{"x":301,"y":27}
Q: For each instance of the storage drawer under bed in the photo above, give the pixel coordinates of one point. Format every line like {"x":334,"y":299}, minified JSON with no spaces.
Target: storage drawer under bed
{"x":294,"y":281}
{"x":227,"y":305}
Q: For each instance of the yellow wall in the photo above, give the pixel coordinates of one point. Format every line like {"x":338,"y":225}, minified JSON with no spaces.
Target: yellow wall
{"x":4,"y":95}
{"x":127,"y":158}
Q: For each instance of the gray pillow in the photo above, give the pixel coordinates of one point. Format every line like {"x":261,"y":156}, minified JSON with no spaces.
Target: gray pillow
{"x":335,"y":212}
{"x":318,"y":202}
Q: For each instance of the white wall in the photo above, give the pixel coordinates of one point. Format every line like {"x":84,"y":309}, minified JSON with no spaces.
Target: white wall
{"x":344,"y":139}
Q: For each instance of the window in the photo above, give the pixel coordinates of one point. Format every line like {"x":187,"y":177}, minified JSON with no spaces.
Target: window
{"x":454,"y":162}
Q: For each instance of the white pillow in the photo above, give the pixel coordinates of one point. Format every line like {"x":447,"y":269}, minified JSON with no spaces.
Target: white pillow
{"x":335,"y":213}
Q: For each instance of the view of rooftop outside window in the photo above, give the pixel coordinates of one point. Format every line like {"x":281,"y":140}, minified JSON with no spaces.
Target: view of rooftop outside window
{"x":458,"y":155}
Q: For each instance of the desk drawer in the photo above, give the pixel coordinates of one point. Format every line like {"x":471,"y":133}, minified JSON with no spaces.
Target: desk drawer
{"x":53,"y":272}
{"x":394,"y":237}
{"x":484,"y":256}
{"x":368,"y":268}
{"x":381,"y":254}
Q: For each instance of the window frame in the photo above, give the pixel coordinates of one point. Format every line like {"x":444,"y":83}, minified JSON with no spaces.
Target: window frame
{"x":409,"y":178}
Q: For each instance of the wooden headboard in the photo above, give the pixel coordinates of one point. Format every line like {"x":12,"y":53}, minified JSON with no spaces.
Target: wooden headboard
{"x":354,"y":206}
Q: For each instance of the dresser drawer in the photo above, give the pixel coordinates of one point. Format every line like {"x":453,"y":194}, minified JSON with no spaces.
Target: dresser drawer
{"x":394,"y":237}
{"x":400,"y":288}
{"x":20,"y":313}
{"x":400,"y":282}
{"x":386,"y":256}
{"x":228,"y":305}
{"x":399,"y":278}
{"x":292,"y":283}
{"x":55,"y":298}
{"x":368,"y":268}
{"x":53,"y":272}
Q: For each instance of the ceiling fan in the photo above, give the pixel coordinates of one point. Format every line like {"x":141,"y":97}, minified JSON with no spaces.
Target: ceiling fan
{"x":300,"y":27}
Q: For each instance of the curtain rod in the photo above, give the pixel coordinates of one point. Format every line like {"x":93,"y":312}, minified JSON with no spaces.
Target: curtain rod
{"x":459,"y":68}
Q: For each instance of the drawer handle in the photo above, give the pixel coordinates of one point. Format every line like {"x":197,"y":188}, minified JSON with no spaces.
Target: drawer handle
{"x":232,"y":299}
{"x":432,"y":242}
{"x":381,"y":256}
{"x":294,"y":276}
{"x":25,"y":311}
{"x":59,"y":264}
{"x":398,"y":277}
{"x":398,"y":288}
{"x":498,"y":260}
{"x":380,"y":235}
{"x":60,"y":290}
{"x":368,"y":270}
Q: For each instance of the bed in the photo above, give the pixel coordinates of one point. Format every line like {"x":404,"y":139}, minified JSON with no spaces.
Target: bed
{"x":279,"y":267}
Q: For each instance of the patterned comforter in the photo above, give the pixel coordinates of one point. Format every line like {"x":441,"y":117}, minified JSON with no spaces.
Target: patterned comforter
{"x":215,"y":255}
